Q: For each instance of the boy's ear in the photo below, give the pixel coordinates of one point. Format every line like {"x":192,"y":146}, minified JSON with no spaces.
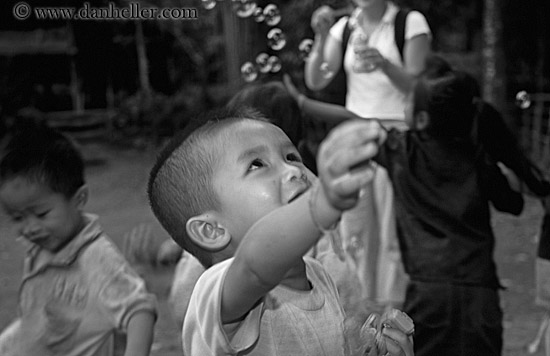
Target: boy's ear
{"x":205,"y":231}
{"x":421,"y":120}
{"x":81,"y":196}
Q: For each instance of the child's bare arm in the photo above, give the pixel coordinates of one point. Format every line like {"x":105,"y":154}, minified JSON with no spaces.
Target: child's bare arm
{"x":277,"y":242}
{"x":317,"y":110}
{"x":140,"y":334}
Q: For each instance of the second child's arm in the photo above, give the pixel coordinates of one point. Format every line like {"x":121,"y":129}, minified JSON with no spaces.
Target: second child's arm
{"x":277,"y":242}
{"x":318,"y":110}
{"x":325,"y":50}
{"x":140,"y":334}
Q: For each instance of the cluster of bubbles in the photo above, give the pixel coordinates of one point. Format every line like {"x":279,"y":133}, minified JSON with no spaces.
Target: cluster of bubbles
{"x":264,"y":63}
{"x":276,"y":39}
{"x":305,"y":48}
{"x":270,"y":14}
{"x":523,"y":99}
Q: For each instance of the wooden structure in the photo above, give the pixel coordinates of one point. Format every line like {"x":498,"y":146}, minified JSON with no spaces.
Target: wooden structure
{"x":57,"y":41}
{"x":78,"y":122}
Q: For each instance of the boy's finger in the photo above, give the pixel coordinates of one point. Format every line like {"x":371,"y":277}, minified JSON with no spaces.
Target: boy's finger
{"x":397,"y":342}
{"x":356,"y":130}
{"x":349,"y":184}
{"x":352,"y":137}
{"x":351,"y":159}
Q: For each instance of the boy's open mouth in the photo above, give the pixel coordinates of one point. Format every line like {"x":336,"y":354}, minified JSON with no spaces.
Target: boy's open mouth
{"x":298,"y":194}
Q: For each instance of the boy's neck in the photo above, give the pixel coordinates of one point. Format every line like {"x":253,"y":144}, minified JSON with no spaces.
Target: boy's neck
{"x":79,"y":227}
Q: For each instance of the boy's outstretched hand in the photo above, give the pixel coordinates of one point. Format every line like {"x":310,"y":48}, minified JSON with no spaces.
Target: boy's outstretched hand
{"x":343,"y":160}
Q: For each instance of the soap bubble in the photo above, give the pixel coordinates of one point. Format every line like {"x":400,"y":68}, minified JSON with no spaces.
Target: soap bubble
{"x":249,"y":72}
{"x":523,"y":99}
{"x":276,"y":39}
{"x":272,"y":15}
{"x":244,"y":8}
{"x":275,"y":64}
{"x":305,"y":48}
{"x":258,"y":14}
{"x":209,"y":4}
{"x":325,"y":71}
{"x":262,"y":61}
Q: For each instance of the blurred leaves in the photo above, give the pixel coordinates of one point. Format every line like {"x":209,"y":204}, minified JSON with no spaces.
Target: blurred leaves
{"x":190,"y":55}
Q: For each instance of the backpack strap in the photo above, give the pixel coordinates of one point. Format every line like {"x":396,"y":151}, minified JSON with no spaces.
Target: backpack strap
{"x":345,"y":38}
{"x":399,"y":34}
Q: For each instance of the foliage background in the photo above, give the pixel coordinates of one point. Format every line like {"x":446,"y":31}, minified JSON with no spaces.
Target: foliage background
{"x":190,"y":66}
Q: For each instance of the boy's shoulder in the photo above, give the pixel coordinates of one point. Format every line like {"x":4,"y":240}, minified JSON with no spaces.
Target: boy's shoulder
{"x":203,"y":315}
{"x":213,"y":277}
{"x":219,"y":269}
{"x":214,"y":273}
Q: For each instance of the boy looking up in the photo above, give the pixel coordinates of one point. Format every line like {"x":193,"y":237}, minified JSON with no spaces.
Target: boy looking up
{"x":235,"y":193}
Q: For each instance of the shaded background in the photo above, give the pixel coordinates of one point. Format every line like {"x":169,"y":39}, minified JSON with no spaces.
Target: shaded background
{"x":196,"y":63}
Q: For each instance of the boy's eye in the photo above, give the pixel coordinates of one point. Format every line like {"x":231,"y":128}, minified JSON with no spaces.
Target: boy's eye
{"x":255,"y":164}
{"x":293,"y":157}
{"x":42,"y":214}
{"x":16,"y":218}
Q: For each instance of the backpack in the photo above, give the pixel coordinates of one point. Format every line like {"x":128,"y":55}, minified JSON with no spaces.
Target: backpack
{"x":335,"y":91}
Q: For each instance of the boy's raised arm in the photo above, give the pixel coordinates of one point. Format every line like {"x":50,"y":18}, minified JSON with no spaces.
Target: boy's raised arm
{"x":277,"y":242}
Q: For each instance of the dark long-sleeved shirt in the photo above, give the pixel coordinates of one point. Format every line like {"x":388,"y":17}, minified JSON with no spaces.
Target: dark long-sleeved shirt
{"x":442,"y":194}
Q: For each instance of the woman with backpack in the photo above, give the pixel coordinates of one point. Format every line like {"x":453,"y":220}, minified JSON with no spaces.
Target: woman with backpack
{"x":379,"y":50}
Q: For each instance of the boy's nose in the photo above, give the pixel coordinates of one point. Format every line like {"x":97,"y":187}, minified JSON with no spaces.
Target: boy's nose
{"x":294,"y":172}
{"x":30,"y":227}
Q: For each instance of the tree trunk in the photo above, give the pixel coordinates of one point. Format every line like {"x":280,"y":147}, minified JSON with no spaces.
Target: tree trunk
{"x":492,"y":55}
{"x":232,"y":58}
{"x":143,"y":63}
{"x":543,"y":64}
{"x":239,"y":43}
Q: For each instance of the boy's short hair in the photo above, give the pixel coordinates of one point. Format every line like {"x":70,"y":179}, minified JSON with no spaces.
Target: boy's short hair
{"x":45,"y":156}
{"x":447,"y":95}
{"x":180,"y":183}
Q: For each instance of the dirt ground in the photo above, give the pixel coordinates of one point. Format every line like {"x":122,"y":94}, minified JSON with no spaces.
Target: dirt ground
{"x":117,"y":179}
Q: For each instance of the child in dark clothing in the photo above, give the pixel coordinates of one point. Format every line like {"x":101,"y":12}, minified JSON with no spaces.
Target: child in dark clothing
{"x":488,"y":128}
{"x":443,"y":184}
{"x":444,"y":179}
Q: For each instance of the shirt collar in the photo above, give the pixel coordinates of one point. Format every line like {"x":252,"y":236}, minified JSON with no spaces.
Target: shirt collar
{"x":68,"y":254}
